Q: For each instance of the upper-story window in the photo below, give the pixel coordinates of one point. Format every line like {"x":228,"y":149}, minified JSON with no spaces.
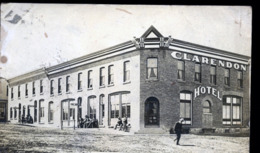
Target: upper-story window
{"x":51,"y":87}
{"x":213,"y":75}
{"x":12,"y":93}
{"x":126,"y":71}
{"x":67,"y":83}
{"x":26,"y":90}
{"x":152,"y":68}
{"x":102,"y":77}
{"x":227,"y":77}
{"x":19,"y":92}
{"x":59,"y":85}
{"x":181,"y":70}
{"x":240,"y":79}
{"x":7,"y":91}
{"x":198,"y":72}
{"x":79,"y":81}
{"x":41,"y":86}
{"x":90,"y":79}
{"x":33,"y":88}
{"x":111,"y":74}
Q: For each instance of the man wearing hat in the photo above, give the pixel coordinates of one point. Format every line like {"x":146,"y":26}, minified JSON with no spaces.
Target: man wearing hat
{"x":177,"y":129}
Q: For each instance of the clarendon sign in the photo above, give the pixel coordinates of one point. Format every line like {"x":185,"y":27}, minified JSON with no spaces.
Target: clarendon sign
{"x":206,"y":90}
{"x":206,"y":60}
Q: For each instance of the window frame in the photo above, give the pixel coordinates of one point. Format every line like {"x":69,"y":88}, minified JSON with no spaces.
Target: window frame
{"x":80,"y":81}
{"x":232,"y":104}
{"x":26,"y":90}
{"x":67,"y":84}
{"x":213,"y":78}
{"x":126,"y":77}
{"x":59,"y":86}
{"x":187,"y":120}
{"x":102,"y":77}
{"x":150,"y":67}
{"x":19,"y":91}
{"x":240,"y":81}
{"x":33,"y":88}
{"x":227,"y":78}
{"x":51,"y":87}
{"x":90,"y":79}
{"x":199,"y":73}
{"x":111,"y":75}
{"x":182,"y":71}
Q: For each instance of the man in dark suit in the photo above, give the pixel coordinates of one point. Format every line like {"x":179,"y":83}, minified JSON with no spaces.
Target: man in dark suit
{"x":178,"y":129}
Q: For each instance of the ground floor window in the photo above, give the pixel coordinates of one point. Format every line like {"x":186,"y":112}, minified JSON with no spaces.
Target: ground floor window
{"x":65,"y":115}
{"x":11,"y":112}
{"x":114,"y":101}
{"x":15,"y":113}
{"x":72,"y":113}
{"x":79,"y":108}
{"x":232,"y":110}
{"x":35,"y":111}
{"x":185,"y":106}
{"x":50,"y":111}
{"x":41,"y":105}
{"x":120,"y":105}
{"x":92,"y":107}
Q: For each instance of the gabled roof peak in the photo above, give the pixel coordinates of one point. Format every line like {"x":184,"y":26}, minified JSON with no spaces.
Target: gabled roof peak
{"x":152,"y":32}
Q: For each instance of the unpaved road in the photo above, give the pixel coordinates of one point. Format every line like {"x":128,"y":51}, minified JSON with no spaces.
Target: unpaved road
{"x":17,"y":138}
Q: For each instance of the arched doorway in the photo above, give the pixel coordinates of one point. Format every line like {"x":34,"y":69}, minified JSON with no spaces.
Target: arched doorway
{"x":152,"y":116}
{"x":35,"y":111}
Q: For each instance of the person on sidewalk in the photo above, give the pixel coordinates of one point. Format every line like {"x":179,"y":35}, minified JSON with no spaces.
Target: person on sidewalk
{"x":178,"y":129}
{"x":119,"y":123}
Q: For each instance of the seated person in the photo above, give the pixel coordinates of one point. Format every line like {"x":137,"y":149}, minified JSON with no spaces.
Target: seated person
{"x":124,"y":123}
{"x":119,"y":123}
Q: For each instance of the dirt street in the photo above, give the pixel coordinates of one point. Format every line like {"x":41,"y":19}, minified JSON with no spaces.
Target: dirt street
{"x":18,"y":138}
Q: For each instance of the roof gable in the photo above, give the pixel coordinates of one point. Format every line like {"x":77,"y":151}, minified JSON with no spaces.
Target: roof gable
{"x":152,"y":32}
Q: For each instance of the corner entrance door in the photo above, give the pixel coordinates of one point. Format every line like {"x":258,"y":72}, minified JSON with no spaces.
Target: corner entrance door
{"x":207,"y":117}
{"x":152,"y":112}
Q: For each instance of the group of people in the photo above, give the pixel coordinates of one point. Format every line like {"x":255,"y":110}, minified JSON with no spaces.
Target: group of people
{"x":122,"y":124}
{"x":87,"y":122}
{"x":27,"y":119}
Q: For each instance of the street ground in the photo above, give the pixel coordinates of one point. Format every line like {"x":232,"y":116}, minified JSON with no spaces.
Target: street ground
{"x":20,"y":138}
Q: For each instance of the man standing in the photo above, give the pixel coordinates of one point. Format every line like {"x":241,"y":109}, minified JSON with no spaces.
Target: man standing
{"x":177,"y":129}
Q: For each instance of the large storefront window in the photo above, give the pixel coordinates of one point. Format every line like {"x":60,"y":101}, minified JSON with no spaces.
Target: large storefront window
{"x":41,"y":106}
{"x":92,"y":107}
{"x":65,"y":107}
{"x":232,"y":108}
{"x":185,"y":106}
{"x":114,"y":106}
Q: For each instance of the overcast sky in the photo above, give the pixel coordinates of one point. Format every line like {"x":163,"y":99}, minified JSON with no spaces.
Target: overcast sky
{"x":43,"y":35}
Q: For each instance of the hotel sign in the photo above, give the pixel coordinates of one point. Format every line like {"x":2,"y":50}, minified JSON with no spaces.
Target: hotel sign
{"x":206,"y":60}
{"x":207,"y":90}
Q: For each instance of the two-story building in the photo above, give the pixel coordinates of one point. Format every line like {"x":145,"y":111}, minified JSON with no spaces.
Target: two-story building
{"x":153,"y":80}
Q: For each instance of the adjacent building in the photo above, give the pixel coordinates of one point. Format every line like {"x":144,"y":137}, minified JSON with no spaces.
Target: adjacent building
{"x":153,"y":80}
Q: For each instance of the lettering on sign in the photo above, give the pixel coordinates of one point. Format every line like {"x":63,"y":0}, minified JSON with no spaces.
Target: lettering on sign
{"x":206,"y":60}
{"x":207,"y":90}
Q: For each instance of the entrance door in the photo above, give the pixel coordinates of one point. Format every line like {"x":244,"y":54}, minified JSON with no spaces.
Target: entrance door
{"x":207,"y":117}
{"x":152,"y":112}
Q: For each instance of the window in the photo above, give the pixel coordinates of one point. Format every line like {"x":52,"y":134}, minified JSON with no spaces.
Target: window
{"x":114,"y":106}
{"x":33,"y":88}
{"x":24,"y":109}
{"x":52,"y":83}
{"x":72,"y":113}
{"x":7,"y":91}
{"x":206,"y":107}
{"x":67,"y":83}
{"x":232,"y":110}
{"x":90,"y":79}
{"x":79,"y":81}
{"x":92,"y":108}
{"x":102,"y":77}
{"x":26,"y":90}
{"x":185,"y":106}
{"x":111,"y":74}
{"x":102,"y":105}
{"x":198,"y":72}
{"x":12,"y":93}
{"x":126,"y":107}
{"x":15,"y":113}
{"x":19,"y":92}
{"x":126,"y":71}
{"x":11,"y":112}
{"x":213,"y":75}
{"x":181,"y":70}
{"x":41,"y":106}
{"x":240,"y":79}
{"x":65,"y":107}
{"x":152,"y":72}
{"x":227,"y":77}
{"x":51,"y":112}
{"x":35,"y":111}
{"x":79,"y":107}
{"x":41,"y":86}
{"x":59,"y":86}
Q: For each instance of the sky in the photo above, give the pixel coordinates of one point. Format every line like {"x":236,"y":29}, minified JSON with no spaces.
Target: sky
{"x":42,"y":35}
